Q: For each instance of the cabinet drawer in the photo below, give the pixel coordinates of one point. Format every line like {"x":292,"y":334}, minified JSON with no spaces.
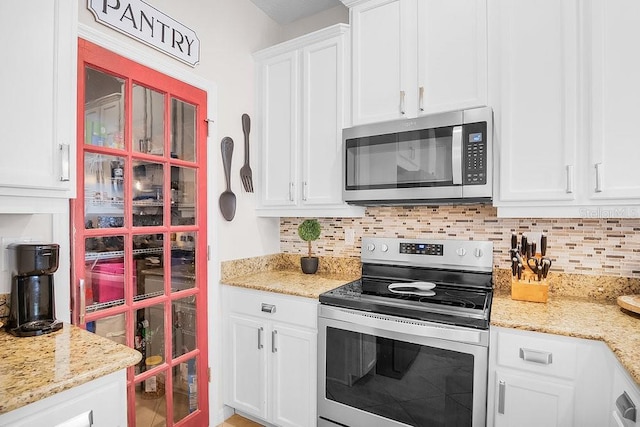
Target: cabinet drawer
{"x":271,"y":306}
{"x":538,"y":353}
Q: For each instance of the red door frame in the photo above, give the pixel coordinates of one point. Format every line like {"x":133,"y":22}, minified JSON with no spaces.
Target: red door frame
{"x":101,"y":59}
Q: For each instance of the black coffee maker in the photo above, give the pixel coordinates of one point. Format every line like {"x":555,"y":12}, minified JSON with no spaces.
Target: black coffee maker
{"x":32,"y":309}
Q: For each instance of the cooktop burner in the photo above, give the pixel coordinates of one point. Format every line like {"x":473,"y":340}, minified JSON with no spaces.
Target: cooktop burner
{"x":36,"y":327}
{"x":433,"y":280}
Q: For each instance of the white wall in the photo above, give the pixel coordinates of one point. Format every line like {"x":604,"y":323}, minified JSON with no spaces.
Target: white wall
{"x":229,"y":32}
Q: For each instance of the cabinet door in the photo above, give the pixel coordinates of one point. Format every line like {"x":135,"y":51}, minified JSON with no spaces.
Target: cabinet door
{"x":279,"y":105}
{"x":382,"y":58}
{"x":452,"y":55}
{"x":294,"y":358}
{"x":37,"y":116}
{"x":248,"y":359}
{"x":535,"y":100}
{"x":532,"y":401}
{"x":615,"y":92}
{"x":323,"y":74}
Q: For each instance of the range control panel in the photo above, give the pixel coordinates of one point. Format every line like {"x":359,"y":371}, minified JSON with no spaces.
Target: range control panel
{"x":421,"y":249}
{"x":470,"y":255}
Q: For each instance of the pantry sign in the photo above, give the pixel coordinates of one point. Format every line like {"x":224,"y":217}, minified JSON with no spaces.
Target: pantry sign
{"x":147,"y":24}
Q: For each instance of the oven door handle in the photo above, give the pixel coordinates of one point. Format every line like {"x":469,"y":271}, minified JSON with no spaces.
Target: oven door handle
{"x":412,"y":288}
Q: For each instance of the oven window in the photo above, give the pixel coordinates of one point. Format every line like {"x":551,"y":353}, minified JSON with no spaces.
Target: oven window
{"x":400,"y":160}
{"x":410,"y":383}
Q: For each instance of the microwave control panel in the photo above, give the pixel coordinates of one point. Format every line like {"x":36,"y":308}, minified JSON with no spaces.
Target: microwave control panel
{"x":475,"y":154}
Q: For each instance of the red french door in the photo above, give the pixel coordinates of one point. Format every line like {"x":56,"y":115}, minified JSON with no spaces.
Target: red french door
{"x":139,"y":231}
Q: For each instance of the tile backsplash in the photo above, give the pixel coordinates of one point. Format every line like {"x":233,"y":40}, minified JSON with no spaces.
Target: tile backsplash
{"x":607,"y":247}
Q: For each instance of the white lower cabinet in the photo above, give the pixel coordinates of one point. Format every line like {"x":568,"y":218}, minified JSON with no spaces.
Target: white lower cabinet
{"x":270,"y":356}
{"x":547,"y":380}
{"x":99,"y":403}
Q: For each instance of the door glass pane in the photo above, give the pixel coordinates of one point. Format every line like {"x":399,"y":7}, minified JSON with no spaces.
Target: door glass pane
{"x":148,"y":121}
{"x":185,"y":389}
{"x":183,"y":130}
{"x":112,"y":327}
{"x":151,"y":404}
{"x":183,"y":196}
{"x":148,"y":196}
{"x":184,"y":325}
{"x":104,"y":272}
{"x":407,"y":159}
{"x":104,"y":108}
{"x":407,"y":382}
{"x":149,"y":334}
{"x":183,"y":261}
{"x":148,"y":255}
{"x":103,"y":191}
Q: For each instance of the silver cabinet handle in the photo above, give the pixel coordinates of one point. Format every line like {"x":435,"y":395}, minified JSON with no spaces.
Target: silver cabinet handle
{"x":456,"y":155}
{"x":569,"y":178}
{"x":536,"y":356}
{"x":83,"y":302}
{"x":268,"y":308}
{"x":291,"y":191}
{"x":260,"y":346}
{"x":421,"y":98}
{"x":304,"y":190}
{"x":402,"y":102}
{"x":274,"y":345}
{"x":598,"y":177}
{"x":626,"y":407}
{"x":65,"y":162}
{"x":501,"y":391}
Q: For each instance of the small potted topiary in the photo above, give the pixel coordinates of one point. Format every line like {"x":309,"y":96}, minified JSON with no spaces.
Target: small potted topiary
{"x":309,"y":230}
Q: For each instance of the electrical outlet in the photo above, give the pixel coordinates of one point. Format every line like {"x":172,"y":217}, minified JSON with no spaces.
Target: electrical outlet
{"x":4,"y":252}
{"x":350,"y":236}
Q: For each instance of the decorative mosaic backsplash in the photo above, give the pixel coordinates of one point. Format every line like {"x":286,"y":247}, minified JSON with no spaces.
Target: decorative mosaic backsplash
{"x":597,"y":247}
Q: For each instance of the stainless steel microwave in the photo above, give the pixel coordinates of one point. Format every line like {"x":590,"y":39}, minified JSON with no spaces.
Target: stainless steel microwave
{"x":444,"y":158}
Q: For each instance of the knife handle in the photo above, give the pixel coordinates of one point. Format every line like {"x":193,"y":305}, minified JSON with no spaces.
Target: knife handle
{"x":543,"y":245}
{"x":514,"y":266}
{"x":514,"y":240}
{"x":533,"y":249}
{"x":523,"y":244}
{"x":519,"y":271}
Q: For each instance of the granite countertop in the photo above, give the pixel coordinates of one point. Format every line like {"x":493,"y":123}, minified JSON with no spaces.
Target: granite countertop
{"x":33,"y":368}
{"x":292,"y":282}
{"x":569,"y":316}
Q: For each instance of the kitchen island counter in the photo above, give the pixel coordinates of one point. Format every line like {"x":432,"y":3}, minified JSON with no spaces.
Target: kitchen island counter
{"x":575,"y":317}
{"x":33,"y":368}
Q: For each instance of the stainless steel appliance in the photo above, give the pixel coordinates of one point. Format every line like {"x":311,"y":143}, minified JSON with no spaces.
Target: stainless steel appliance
{"x":32,"y":310}
{"x":441,"y":158}
{"x":407,"y":344}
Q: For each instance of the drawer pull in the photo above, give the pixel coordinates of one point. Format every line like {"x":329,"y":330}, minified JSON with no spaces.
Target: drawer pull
{"x":274,"y":345}
{"x":268,"y":308}
{"x":626,"y":407}
{"x":536,"y":356}
{"x":260,"y":345}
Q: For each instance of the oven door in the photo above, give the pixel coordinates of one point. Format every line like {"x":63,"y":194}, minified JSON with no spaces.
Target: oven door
{"x":389,"y":371}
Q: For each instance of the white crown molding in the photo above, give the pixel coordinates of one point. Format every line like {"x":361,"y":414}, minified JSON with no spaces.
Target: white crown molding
{"x":305,"y":40}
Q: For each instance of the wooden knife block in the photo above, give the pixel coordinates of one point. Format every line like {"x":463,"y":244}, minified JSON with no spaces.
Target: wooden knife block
{"x":528,"y":289}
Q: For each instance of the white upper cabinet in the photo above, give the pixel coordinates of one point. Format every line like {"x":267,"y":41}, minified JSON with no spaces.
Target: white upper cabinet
{"x":38,"y":115}
{"x":564,"y":101}
{"x":534,"y":96}
{"x":615,"y":95}
{"x":413,"y":57}
{"x":302,"y":97}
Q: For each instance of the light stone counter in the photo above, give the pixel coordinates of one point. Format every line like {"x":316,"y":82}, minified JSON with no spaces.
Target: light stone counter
{"x":292,"y":282}
{"x":575,"y":317}
{"x":33,"y":368}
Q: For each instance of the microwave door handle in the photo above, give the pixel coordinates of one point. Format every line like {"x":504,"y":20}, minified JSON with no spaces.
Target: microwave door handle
{"x":456,"y":155}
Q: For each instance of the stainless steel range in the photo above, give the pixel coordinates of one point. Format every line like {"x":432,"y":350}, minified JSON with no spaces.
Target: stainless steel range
{"x":408,"y":343}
